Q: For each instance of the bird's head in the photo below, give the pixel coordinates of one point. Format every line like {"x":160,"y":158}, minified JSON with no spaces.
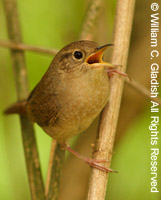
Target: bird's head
{"x":81,"y":55}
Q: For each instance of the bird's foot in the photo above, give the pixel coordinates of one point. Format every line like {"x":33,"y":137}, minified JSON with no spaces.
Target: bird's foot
{"x":95,"y":163}
{"x":112,"y":71}
{"x":92,"y":162}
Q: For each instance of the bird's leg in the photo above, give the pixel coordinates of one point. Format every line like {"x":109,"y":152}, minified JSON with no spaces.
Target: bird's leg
{"x":92,"y":162}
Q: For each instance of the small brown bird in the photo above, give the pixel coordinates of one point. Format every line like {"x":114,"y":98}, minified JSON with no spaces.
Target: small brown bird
{"x":70,"y":95}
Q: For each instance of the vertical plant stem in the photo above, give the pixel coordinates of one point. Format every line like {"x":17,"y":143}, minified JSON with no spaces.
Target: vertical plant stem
{"x":109,"y":118}
{"x":56,"y":171}
{"x":49,"y":173}
{"x":91,"y":19}
{"x":57,"y":157}
{"x":20,"y":75}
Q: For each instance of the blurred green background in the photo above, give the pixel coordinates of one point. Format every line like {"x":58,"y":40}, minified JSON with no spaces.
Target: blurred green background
{"x":53,"y":24}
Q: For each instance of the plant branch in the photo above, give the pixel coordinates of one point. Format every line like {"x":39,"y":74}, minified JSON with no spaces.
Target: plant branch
{"x":91,"y":19}
{"x":57,"y":157}
{"x":142,"y":90}
{"x":28,"y":137}
{"x":109,"y":117}
{"x":21,"y":46}
{"x":52,"y":154}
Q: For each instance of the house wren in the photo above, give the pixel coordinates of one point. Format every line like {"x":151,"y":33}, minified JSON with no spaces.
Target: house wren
{"x":70,"y":95}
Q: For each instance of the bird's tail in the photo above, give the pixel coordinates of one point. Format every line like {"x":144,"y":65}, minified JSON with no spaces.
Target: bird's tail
{"x":17,"y":108}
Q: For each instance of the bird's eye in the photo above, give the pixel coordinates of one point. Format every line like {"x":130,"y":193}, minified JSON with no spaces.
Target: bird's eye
{"x":78,"y":54}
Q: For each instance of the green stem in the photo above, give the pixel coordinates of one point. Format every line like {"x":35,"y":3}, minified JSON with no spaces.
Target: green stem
{"x":20,"y":75}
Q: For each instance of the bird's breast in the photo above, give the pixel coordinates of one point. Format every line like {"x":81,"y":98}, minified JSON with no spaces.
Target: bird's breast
{"x":81,"y":100}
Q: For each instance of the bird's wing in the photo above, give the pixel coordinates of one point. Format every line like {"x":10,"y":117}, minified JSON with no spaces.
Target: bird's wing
{"x":42,"y":107}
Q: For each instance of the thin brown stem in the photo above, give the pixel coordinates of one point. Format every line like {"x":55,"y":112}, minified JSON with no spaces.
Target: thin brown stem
{"x":21,"y":46}
{"x":28,"y":137}
{"x":109,"y":117}
{"x":57,"y":157}
{"x":52,"y":153}
{"x":91,"y":19}
{"x":142,"y":90}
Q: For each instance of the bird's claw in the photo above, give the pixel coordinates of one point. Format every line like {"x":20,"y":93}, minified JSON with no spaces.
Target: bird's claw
{"x":95,"y":163}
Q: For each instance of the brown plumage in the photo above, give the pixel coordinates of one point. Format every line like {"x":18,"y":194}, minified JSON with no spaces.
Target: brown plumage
{"x":71,"y":94}
{"x":17,"y":108}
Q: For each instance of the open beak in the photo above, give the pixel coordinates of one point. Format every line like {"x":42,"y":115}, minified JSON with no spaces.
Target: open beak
{"x":95,"y":59}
